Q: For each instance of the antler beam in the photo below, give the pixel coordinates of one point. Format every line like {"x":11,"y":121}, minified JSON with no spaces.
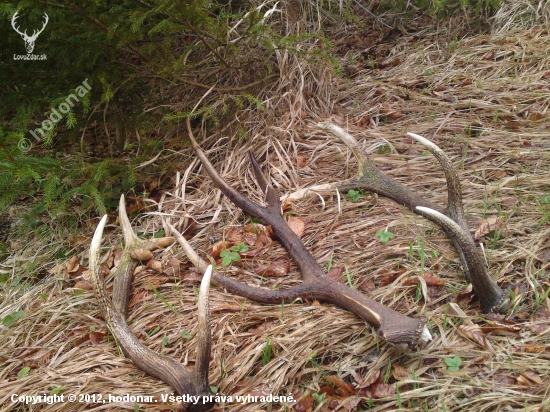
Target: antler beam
{"x":392,"y":326}
{"x":451,"y":218}
{"x":184,"y":382}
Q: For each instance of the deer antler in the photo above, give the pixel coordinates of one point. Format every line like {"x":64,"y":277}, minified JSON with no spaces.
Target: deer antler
{"x":451,"y":218}
{"x":392,"y":326}
{"x":162,"y":367}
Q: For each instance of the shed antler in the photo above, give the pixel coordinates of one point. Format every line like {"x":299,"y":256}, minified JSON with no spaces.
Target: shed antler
{"x":392,"y":326}
{"x":173,"y":373}
{"x":451,"y":218}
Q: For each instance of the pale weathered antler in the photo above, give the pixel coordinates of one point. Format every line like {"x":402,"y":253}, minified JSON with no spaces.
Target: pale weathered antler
{"x":392,"y":326}
{"x":369,"y":177}
{"x":168,"y":370}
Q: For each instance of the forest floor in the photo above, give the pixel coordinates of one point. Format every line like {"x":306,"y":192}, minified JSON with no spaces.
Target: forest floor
{"x":483,"y":99}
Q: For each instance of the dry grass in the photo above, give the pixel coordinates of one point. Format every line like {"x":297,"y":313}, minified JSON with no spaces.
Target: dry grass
{"x":494,"y":126}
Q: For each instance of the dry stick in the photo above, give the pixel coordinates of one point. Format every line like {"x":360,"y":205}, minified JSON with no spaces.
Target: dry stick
{"x":168,"y":370}
{"x":369,"y":177}
{"x":392,"y":326}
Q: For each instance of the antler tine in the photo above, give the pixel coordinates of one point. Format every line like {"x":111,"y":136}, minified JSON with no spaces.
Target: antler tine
{"x":454,"y":192}
{"x":204,"y":337}
{"x":393,"y":326}
{"x":127,"y":265}
{"x":491,"y":297}
{"x":159,"y":366}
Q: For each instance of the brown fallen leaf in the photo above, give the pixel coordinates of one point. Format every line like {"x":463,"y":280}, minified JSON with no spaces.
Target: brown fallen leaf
{"x":83,"y":284}
{"x":488,"y":225}
{"x":219,"y":247}
{"x":544,"y":256}
{"x":430,"y":279}
{"x":137,"y":298}
{"x":72,"y":264}
{"x":350,"y":403}
{"x":381,"y":390}
{"x":296,"y":225}
{"x":96,"y":337}
{"x":301,"y":160}
{"x":234,"y":235}
{"x":473,"y":333}
{"x":343,"y":388}
{"x":305,"y":404}
{"x":400,"y":373}
{"x":336,"y":273}
{"x":276,"y":269}
{"x":142,"y":255}
{"x":527,"y":378}
{"x":154,"y":265}
{"x":464,"y":297}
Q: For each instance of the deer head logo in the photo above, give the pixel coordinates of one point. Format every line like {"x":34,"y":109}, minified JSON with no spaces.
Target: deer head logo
{"x":29,"y":40}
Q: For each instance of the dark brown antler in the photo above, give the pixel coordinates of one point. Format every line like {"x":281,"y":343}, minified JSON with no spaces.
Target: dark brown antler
{"x":392,"y":326}
{"x":162,"y":367}
{"x":451,"y":218}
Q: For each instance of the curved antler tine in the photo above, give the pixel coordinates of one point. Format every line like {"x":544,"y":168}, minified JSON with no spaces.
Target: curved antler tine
{"x":454,"y":192}
{"x":100,"y":290}
{"x":242,"y":202}
{"x":127,"y":265}
{"x":273,"y":201}
{"x":129,"y":235}
{"x":204,"y":336}
{"x":492,"y":298}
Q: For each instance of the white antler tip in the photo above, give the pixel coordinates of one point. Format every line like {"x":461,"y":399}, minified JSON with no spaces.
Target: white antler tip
{"x":423,"y":141}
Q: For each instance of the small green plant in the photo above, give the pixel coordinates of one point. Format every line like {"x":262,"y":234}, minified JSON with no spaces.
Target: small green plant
{"x":165,"y":341}
{"x":185,"y":335}
{"x":453,"y":364}
{"x":266,"y":352}
{"x":23,"y":372}
{"x":354,"y":195}
{"x":384,"y":236}
{"x":233,"y":254}
{"x":10,"y":319}
{"x":319,"y":398}
{"x":56,"y":390}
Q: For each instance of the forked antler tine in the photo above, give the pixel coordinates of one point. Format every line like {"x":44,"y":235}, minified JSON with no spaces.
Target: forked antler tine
{"x":127,"y":265}
{"x":491,"y":297}
{"x":162,"y":367}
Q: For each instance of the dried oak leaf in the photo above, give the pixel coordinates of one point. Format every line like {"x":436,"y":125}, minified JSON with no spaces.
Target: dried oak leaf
{"x":488,"y":225}
{"x":137,"y":298}
{"x":400,"y":373}
{"x":296,"y":225}
{"x":72,"y":265}
{"x":350,"y":403}
{"x":276,"y":269}
{"x":473,"y":333}
{"x":96,"y":337}
{"x":381,"y":390}
{"x":544,"y":256}
{"x":234,"y":235}
{"x":464,"y":297}
{"x":336,"y":273}
{"x":218,"y":247}
{"x":304,"y":405}
{"x":142,"y":255}
{"x":430,"y":279}
{"x":83,"y":284}
{"x":527,"y":378}
{"x":343,"y":388}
